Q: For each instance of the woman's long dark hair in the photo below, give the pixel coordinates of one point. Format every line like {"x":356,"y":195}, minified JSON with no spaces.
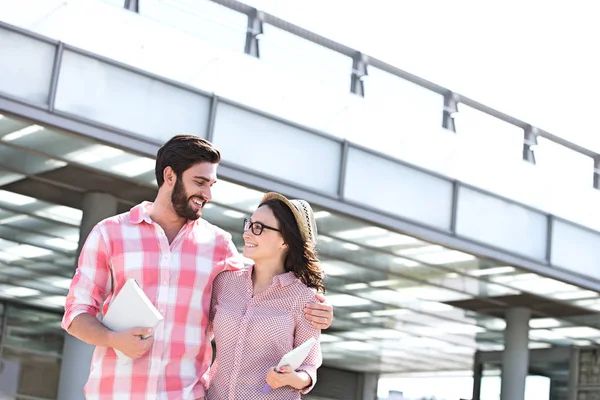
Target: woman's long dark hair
{"x":301,"y":258}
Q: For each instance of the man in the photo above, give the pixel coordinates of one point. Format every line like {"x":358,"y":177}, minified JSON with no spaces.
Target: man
{"x":174,"y":255}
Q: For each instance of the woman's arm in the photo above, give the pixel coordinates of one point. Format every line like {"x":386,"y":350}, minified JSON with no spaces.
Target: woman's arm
{"x":305,"y":377}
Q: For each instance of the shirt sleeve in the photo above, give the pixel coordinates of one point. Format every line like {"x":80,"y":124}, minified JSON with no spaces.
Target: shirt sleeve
{"x":92,"y":281}
{"x":304,"y":331}
{"x":229,"y":259}
{"x":213,"y":310}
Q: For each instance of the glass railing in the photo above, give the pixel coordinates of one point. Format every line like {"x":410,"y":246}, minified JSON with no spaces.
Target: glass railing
{"x":306,"y":78}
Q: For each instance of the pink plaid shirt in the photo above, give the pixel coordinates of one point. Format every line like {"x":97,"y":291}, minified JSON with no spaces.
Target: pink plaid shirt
{"x":178,"y":280}
{"x":253,"y":333}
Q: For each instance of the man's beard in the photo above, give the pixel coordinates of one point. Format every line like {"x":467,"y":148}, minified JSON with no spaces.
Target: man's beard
{"x":181,"y":203}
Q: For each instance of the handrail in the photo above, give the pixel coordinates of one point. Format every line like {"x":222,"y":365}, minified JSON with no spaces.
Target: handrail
{"x":255,"y":15}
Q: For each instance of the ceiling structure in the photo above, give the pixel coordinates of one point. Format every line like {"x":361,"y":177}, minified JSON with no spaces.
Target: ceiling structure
{"x":401,"y":304}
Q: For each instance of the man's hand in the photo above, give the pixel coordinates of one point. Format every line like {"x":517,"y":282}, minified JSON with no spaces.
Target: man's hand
{"x":130,"y":342}
{"x":320,"y":314}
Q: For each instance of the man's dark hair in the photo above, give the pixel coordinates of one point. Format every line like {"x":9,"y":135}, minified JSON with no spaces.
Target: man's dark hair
{"x":182,"y":152}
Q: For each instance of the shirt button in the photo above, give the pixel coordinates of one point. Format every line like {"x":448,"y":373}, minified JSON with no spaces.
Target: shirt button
{"x":162,"y":310}
{"x":164,"y":282}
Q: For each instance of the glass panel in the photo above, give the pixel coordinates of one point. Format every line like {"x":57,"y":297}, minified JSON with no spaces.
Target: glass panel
{"x":27,"y":68}
{"x":277,"y":149}
{"x":121,"y":98}
{"x":501,"y":223}
{"x":24,"y":162}
{"x":32,"y":346}
{"x":420,"y":197}
{"x":207,"y":20}
{"x":576,"y":249}
{"x":488,"y":137}
{"x":565,"y":166}
{"x":36,"y":137}
{"x":305,"y":60}
{"x":118,"y":3}
{"x":408,"y":104}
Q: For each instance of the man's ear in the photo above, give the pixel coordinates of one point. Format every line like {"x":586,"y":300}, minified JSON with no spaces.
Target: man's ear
{"x":169,"y":176}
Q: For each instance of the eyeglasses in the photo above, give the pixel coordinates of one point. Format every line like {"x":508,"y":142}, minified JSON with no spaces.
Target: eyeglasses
{"x":257,"y":227}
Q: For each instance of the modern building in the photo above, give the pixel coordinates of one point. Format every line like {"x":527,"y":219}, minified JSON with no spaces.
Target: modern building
{"x":447,"y":244}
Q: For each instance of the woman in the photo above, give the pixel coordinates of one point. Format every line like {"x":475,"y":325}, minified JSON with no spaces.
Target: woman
{"x":259,"y":318}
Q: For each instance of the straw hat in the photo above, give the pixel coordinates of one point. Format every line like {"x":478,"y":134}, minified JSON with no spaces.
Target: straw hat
{"x":302,"y":212}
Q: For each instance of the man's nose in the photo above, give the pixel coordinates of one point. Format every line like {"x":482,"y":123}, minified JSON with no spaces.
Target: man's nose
{"x":208,"y":194}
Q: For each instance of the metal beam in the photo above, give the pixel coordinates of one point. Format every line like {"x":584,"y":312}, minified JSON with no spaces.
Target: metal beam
{"x":35,"y":216}
{"x":477,"y":376}
{"x":41,"y":246}
{"x":55,"y":74}
{"x":597,"y":172}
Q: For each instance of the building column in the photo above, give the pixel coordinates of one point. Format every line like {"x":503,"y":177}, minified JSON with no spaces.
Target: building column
{"x":477,"y":375}
{"x":77,"y":355}
{"x":515,"y":357}
{"x":368,"y":386}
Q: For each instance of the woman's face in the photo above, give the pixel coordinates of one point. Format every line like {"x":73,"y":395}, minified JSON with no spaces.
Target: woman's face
{"x":269,"y":244}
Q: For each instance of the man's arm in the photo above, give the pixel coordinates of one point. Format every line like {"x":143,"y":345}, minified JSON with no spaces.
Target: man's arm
{"x":227,"y":256}
{"x":88,"y":291}
{"x":88,"y":329}
{"x":320,"y":314}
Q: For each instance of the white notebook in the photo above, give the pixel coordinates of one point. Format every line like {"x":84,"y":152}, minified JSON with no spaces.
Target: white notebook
{"x":131,"y":308}
{"x":296,"y":357}
{"x":293,"y":359}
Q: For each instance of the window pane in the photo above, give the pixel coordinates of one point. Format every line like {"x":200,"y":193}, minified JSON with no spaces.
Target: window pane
{"x":127,"y":100}
{"x":31,"y":349}
{"x":27,"y":67}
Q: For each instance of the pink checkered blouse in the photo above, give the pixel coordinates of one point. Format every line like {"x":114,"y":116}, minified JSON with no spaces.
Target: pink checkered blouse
{"x":177,"y":278}
{"x":253,"y":333}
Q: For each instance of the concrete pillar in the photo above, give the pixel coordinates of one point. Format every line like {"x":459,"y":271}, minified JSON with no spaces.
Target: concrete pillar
{"x":368,"y":382}
{"x":77,"y":355}
{"x":477,"y":376}
{"x":515,"y":358}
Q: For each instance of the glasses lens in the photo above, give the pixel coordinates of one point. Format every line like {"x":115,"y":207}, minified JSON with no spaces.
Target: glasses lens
{"x":246,"y":224}
{"x":257,"y":228}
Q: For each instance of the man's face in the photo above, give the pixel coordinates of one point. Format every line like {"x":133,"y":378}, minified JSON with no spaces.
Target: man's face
{"x":193,"y":190}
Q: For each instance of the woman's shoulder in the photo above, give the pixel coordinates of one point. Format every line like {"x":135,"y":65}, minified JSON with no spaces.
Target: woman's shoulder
{"x":228,"y":277}
{"x":303,"y":292}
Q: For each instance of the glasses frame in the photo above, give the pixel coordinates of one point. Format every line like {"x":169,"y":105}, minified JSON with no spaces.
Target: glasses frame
{"x":249,"y":225}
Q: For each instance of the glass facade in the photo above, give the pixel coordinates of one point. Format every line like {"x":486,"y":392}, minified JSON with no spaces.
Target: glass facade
{"x":30,"y":351}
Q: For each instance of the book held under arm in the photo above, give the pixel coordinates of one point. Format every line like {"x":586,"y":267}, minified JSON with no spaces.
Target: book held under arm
{"x":131,"y":308}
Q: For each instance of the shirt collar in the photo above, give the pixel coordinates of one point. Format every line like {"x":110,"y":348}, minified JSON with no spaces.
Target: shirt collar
{"x":284,"y":279}
{"x":141,"y":213}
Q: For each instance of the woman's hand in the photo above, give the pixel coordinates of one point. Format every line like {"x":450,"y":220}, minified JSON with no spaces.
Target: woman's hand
{"x":281,"y":377}
{"x":285,"y":376}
